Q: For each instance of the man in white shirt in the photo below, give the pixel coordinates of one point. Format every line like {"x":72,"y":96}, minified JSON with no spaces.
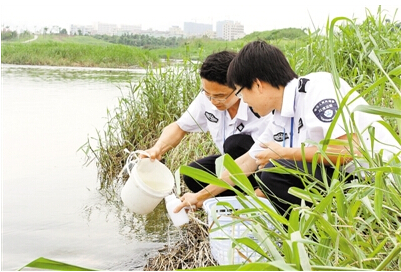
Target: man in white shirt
{"x":304,"y":110}
{"x":232,"y":124}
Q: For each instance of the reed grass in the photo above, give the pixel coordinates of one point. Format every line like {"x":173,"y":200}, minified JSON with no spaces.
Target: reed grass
{"x":76,"y":52}
{"x":354,"y":226}
{"x":158,"y":99}
{"x":351,"y":226}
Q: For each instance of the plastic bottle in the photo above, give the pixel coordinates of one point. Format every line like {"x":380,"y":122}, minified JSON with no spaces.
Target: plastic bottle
{"x":179,"y":218}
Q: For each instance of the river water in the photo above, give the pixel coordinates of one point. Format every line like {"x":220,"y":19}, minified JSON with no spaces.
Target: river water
{"x":51,"y":207}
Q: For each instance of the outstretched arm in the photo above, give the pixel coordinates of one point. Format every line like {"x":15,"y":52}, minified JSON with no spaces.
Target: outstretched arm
{"x":247,"y":165}
{"x":334,"y":152}
{"x":170,"y":138}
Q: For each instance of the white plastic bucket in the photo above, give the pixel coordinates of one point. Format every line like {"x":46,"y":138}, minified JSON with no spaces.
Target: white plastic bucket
{"x":148,"y":183}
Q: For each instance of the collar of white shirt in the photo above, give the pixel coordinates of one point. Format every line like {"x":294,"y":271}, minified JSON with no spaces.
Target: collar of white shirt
{"x":288,"y":107}
{"x":242,"y":111}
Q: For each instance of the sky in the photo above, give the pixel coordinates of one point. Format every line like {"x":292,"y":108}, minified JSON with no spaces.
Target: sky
{"x":161,"y":15}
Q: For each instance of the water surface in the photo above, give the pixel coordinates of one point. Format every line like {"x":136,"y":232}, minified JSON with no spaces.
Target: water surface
{"x":50,"y":203}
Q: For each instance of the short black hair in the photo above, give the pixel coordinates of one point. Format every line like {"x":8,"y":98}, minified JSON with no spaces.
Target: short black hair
{"x":259,"y":60}
{"x":215,"y":67}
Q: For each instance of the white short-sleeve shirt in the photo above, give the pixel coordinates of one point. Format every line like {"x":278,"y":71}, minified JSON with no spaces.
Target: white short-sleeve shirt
{"x":309,"y":106}
{"x":203,"y":116}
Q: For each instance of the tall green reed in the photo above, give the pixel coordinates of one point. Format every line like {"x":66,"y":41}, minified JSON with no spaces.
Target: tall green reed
{"x":157,"y":100}
{"x":351,"y":225}
{"x":367,"y":55}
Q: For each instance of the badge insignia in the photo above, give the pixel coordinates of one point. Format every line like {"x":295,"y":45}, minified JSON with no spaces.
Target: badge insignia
{"x":240,"y":127}
{"x":325,"y":110}
{"x":211,"y":117}
{"x":300,"y":124}
{"x":279,"y":137}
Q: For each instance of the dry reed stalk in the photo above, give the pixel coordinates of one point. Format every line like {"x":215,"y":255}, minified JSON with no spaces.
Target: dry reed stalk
{"x":192,"y":251}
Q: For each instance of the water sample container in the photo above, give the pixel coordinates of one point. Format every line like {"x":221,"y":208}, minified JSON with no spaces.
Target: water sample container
{"x":179,"y":218}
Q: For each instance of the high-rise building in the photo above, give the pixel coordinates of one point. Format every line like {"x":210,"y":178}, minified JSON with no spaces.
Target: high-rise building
{"x":197,"y":29}
{"x":229,"y":30}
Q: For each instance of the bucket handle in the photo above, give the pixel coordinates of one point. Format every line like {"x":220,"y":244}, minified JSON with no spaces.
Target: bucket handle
{"x":132,"y":159}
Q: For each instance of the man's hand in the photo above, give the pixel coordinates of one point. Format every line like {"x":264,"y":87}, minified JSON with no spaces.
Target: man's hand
{"x":272,"y":151}
{"x":190,"y":200}
{"x":154,"y":153}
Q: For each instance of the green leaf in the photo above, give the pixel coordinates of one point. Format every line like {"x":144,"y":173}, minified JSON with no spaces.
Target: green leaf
{"x":267,"y":242}
{"x":300,"y":251}
{"x":394,"y":254}
{"x":341,"y":203}
{"x":378,"y":204}
{"x":258,"y":267}
{"x":294,"y":221}
{"x":377,"y":110}
{"x":43,"y":263}
{"x":237,"y":176}
{"x":252,"y":245}
{"x":204,"y":176}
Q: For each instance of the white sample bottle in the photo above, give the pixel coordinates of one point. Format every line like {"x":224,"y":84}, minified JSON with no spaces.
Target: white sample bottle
{"x":179,"y":218}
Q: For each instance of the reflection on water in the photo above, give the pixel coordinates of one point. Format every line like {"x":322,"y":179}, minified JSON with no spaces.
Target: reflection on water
{"x":151,"y":227}
{"x":55,"y":73}
{"x":50,"y":203}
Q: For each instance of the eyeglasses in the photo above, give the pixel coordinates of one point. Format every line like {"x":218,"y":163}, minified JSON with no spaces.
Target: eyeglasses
{"x":238,"y":93}
{"x":221,"y":100}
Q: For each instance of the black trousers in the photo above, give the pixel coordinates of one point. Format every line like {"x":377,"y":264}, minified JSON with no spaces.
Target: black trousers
{"x":235,"y":145}
{"x":275,"y":185}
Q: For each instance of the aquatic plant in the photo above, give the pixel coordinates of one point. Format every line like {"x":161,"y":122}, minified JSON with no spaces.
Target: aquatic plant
{"x":350,"y":226}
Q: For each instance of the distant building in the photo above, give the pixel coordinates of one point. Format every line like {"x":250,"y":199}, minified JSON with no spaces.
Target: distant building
{"x":176,"y":31}
{"x":197,"y":29}
{"x":226,"y":30}
{"x":229,"y":30}
{"x":210,"y":34}
{"x":81,"y":30}
{"x":105,"y":29}
{"x":129,"y":29}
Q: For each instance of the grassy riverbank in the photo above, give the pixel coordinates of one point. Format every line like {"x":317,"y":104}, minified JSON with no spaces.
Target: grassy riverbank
{"x":75,"y":51}
{"x":87,"y":51}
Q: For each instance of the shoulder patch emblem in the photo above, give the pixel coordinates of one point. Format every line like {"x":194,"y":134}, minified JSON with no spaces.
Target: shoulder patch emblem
{"x":325,"y":110}
{"x":211,"y":117}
